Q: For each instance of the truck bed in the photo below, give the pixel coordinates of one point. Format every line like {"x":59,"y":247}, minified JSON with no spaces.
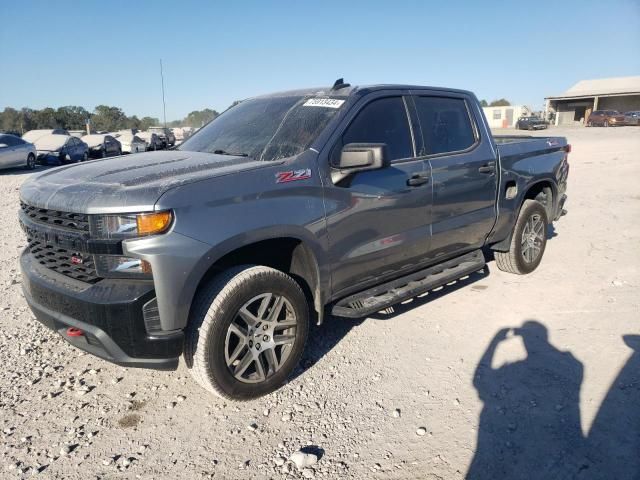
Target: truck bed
{"x":523,"y":145}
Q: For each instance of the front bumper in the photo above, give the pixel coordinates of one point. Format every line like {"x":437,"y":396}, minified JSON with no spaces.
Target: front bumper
{"x":48,"y":159}
{"x":108,"y":312}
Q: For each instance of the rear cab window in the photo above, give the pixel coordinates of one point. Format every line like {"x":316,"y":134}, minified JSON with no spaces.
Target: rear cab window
{"x":446,"y":125}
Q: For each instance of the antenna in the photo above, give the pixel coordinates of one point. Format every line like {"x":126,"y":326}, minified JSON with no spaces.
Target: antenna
{"x":164,"y":107}
{"x":339,"y":83}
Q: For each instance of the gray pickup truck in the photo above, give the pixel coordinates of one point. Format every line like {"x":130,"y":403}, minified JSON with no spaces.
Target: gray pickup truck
{"x":286,"y":208}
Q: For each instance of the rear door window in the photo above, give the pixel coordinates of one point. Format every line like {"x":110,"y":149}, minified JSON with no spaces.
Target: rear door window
{"x":446,"y":125}
{"x":383,"y":121}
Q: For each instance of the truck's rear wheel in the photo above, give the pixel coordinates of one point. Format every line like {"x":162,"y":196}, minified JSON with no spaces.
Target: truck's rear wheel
{"x":247,"y":332}
{"x":528,"y":242}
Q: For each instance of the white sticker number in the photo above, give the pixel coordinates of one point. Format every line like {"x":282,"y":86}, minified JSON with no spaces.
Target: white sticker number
{"x":324,"y":102}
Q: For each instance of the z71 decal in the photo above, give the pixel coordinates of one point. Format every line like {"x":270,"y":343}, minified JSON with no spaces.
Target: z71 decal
{"x":293,"y":175}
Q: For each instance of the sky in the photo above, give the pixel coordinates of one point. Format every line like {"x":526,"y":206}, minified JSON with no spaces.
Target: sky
{"x":87,"y":53}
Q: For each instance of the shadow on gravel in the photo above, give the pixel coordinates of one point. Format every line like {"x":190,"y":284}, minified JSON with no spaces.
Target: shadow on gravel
{"x":530,"y":423}
{"x":322,"y":339}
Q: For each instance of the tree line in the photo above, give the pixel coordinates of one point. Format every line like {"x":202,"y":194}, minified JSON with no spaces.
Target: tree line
{"x":503,"y":102}
{"x":102,"y":118}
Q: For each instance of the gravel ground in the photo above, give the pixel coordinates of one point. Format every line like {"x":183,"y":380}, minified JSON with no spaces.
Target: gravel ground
{"x":393,"y":396}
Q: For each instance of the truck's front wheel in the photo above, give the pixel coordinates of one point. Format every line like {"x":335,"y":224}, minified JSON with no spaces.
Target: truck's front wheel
{"x":247,"y":332}
{"x":528,"y":242}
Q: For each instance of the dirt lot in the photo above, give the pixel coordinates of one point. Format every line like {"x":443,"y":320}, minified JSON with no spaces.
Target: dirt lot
{"x":395,"y":396}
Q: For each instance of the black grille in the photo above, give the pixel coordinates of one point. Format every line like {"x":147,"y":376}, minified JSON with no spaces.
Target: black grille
{"x":60,"y":260}
{"x":73,"y":221}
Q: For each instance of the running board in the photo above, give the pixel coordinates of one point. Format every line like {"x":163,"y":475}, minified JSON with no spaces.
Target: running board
{"x":383,"y":296}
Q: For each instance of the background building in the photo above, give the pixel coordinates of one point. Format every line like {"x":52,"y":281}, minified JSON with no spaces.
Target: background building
{"x":505,"y":117}
{"x":575,"y":105}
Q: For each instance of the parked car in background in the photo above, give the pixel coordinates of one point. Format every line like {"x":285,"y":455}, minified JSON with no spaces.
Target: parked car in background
{"x":131,"y":143}
{"x":32,"y":135}
{"x":77,"y":133}
{"x":15,"y":152}
{"x":15,"y":133}
{"x":531,"y":123}
{"x":153,"y":141}
{"x":165,"y":135}
{"x":131,"y":131}
{"x":102,"y":146}
{"x":605,"y":118}
{"x":57,"y":149}
{"x":632,"y":118}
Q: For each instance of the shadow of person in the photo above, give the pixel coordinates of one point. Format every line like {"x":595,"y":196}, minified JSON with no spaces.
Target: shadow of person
{"x":530,"y":423}
{"x":614,"y":436}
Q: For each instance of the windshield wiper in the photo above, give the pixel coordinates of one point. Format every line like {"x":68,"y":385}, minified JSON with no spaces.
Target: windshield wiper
{"x":234,"y":154}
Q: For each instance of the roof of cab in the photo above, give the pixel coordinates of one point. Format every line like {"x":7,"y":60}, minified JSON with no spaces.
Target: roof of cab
{"x":355,"y":90}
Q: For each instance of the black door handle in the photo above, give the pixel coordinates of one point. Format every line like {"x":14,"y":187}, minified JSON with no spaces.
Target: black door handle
{"x":488,"y":168}
{"x":418,"y":179}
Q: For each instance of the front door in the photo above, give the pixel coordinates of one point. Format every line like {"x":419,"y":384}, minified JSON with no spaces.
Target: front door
{"x":378,"y":221}
{"x":463,"y":171}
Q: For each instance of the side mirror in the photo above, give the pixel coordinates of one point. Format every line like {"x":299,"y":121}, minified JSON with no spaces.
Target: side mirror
{"x":358,"y":157}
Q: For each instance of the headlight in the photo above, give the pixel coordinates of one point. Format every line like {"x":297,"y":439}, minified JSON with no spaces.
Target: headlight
{"x":131,"y":225}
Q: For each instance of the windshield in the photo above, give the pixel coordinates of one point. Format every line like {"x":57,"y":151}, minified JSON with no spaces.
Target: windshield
{"x":266,"y":128}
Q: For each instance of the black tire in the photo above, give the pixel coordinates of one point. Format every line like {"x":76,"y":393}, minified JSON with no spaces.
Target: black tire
{"x":514,"y":260}
{"x":216,"y":307}
{"x":31,"y":162}
{"x":85,"y":157}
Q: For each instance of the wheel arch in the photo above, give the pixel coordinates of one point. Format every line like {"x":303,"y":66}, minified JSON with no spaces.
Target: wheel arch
{"x":531,"y":192}
{"x":290,"y":253}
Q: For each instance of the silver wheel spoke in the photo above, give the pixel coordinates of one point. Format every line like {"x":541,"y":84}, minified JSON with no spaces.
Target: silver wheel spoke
{"x":236,"y":353}
{"x":248,"y":317}
{"x":238,"y":331}
{"x":272,"y":361}
{"x":287,"y":322}
{"x":277,"y":308}
{"x":244,"y":364}
{"x":283,"y":339}
{"x":264,"y":305}
{"x":260,"y":370}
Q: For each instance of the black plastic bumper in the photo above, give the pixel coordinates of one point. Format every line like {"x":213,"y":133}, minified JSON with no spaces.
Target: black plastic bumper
{"x":109,"y":313}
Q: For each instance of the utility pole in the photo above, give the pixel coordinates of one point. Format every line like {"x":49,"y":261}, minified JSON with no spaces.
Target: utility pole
{"x":164,"y":107}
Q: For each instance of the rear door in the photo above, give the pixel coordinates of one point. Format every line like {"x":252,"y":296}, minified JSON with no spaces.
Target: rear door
{"x":463,"y":172}
{"x":377,"y":221}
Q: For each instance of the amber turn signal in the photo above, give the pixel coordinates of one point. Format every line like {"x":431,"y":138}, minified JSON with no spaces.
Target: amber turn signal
{"x":152,"y":223}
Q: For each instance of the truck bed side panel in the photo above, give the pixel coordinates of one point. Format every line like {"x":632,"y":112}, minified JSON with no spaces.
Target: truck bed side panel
{"x":525,"y":162}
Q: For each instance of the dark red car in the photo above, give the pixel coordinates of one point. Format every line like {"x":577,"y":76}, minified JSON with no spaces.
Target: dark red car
{"x":605,"y":118}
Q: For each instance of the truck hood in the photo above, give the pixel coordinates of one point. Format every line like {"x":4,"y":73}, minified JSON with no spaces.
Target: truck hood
{"x":128,"y":183}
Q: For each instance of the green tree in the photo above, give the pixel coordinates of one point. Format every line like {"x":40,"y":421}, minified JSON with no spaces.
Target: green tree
{"x":10,"y":120}
{"x":108,"y":119}
{"x":503,"y":102}
{"x":198,"y":118}
{"x":46,"y":118}
{"x":72,"y":117}
{"x":146,"y":122}
{"x":483,"y":103}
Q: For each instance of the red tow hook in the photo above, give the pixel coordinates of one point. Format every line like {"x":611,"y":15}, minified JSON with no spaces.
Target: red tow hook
{"x":74,"y":332}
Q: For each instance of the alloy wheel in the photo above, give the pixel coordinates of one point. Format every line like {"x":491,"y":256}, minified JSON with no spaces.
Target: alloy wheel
{"x":532,"y":238}
{"x":260,"y":338}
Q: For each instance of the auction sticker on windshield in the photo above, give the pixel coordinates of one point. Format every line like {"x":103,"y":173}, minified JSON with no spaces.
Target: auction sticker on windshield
{"x":323,"y":102}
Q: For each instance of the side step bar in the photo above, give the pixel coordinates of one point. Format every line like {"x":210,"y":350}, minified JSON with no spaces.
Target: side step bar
{"x":378,"y":298}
